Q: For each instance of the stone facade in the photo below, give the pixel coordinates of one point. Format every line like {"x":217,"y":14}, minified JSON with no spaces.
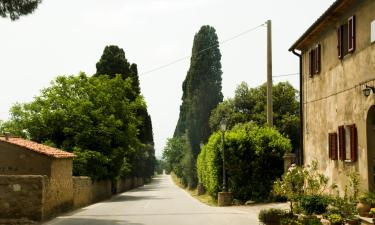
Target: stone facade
{"x":334,"y":97}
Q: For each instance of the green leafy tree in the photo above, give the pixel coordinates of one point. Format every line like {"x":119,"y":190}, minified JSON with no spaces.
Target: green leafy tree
{"x":14,"y":9}
{"x":112,"y":63}
{"x":250,"y":104}
{"x":201,"y":91}
{"x":92,"y":117}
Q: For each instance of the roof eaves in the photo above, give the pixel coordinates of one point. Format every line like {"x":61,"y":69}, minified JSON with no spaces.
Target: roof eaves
{"x":315,"y":24}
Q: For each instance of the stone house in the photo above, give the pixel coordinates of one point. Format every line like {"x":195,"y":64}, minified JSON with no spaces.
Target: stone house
{"x":23,"y":157}
{"x":337,"y":71}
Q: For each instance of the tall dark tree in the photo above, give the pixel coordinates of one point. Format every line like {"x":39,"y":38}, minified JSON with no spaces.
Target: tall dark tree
{"x":201,"y":89}
{"x":14,"y":9}
{"x":114,"y":62}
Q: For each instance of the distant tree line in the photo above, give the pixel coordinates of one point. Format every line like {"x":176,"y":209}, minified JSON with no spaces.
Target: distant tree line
{"x":103,"y":119}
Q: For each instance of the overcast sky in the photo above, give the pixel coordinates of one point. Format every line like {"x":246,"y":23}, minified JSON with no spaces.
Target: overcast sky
{"x":66,"y":37}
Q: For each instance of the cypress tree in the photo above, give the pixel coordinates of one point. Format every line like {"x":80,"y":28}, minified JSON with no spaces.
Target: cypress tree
{"x":201,"y":89}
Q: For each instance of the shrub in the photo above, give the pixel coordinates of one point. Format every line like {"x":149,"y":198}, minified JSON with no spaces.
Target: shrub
{"x":253,"y":161}
{"x":272,"y":215}
{"x":290,"y":221}
{"x":314,"y":204}
{"x":312,"y":220}
{"x":335,"y":219}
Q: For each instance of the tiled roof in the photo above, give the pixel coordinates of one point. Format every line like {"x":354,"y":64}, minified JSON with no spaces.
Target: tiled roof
{"x":38,"y":148}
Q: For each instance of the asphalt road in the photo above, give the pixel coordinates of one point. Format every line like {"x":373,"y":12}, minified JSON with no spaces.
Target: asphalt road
{"x":159,"y":203}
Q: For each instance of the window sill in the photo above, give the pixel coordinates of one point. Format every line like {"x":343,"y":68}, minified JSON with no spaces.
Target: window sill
{"x":348,"y":161}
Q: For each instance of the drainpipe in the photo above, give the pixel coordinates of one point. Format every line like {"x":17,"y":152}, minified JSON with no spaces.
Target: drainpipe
{"x":300,"y":153}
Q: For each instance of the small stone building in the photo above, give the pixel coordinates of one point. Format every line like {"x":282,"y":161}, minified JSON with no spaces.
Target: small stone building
{"x":337,"y":63}
{"x":24,"y":157}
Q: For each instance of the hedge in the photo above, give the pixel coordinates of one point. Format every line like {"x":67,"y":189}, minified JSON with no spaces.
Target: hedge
{"x":254,"y":159}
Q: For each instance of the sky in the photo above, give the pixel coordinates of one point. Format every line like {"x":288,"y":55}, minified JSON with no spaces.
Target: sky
{"x":67,"y":37}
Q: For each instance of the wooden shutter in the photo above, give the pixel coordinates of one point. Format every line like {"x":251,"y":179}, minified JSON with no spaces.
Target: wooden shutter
{"x":317,"y":62}
{"x":351,"y":34}
{"x":353,"y":143}
{"x":339,"y":42}
{"x":342,"y":151}
{"x":311,"y":55}
{"x":332,"y":146}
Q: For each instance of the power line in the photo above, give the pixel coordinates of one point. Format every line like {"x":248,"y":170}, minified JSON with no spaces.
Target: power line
{"x":286,"y":75}
{"x":203,"y":50}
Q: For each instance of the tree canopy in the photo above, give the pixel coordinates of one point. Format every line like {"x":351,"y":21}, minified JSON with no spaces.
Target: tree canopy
{"x":250,"y":104}
{"x":14,"y":9}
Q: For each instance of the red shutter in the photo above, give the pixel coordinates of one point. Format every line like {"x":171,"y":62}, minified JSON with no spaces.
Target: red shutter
{"x":353,"y":143}
{"x":330,"y":146}
{"x":342,"y":143}
{"x":317,"y":59}
{"x":311,"y":63}
{"x":351,"y":34}
{"x":334,"y":146}
{"x":339,"y":42}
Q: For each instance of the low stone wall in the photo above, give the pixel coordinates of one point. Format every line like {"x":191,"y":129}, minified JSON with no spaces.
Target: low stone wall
{"x":39,"y":198}
{"x":86,"y":192}
{"x":22,"y":196}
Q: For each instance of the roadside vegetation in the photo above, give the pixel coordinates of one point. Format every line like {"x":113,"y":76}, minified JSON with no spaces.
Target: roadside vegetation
{"x":314,"y":200}
{"x":102,"y":119}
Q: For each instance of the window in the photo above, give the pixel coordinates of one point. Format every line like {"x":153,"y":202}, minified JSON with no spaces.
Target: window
{"x":332,"y":146}
{"x":348,"y":143}
{"x":315,"y":60}
{"x":346,"y":38}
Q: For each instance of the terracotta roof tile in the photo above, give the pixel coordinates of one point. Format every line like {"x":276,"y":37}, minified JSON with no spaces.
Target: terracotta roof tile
{"x":38,"y":148}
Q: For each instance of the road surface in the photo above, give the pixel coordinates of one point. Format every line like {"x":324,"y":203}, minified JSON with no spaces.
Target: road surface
{"x":159,"y":203}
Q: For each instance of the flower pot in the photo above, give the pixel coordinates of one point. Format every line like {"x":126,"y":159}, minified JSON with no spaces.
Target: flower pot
{"x":363,"y":208}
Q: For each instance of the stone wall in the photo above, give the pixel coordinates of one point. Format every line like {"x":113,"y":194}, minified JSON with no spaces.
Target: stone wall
{"x":22,"y":196}
{"x":38,"y":197}
{"x":59,"y":188}
{"x":86,"y":191}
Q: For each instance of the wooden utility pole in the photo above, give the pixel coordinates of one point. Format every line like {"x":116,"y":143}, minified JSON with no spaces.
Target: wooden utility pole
{"x":269,"y":75}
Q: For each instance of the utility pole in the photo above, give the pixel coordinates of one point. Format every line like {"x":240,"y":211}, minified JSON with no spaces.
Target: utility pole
{"x":269,"y":75}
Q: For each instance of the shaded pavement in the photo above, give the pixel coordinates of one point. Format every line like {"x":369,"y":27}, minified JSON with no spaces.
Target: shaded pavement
{"x":159,"y":203}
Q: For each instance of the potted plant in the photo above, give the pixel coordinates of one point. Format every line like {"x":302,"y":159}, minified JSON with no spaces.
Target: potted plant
{"x":372,"y":213}
{"x":336,"y":219}
{"x":364,"y":205}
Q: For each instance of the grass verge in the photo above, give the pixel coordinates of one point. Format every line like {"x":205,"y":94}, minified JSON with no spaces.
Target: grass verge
{"x":206,"y":198}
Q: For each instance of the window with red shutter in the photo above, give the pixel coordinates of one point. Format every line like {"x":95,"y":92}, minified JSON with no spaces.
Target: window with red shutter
{"x":346,"y":38}
{"x":315,"y":60}
{"x":342,"y":151}
{"x":353,"y":143}
{"x":351,"y":34}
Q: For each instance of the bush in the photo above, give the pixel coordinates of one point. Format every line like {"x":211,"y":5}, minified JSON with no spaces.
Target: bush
{"x":314,"y":204}
{"x":312,"y":220}
{"x":254,"y":159}
{"x":290,"y":221}
{"x":272,"y":215}
{"x":336,"y":219}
